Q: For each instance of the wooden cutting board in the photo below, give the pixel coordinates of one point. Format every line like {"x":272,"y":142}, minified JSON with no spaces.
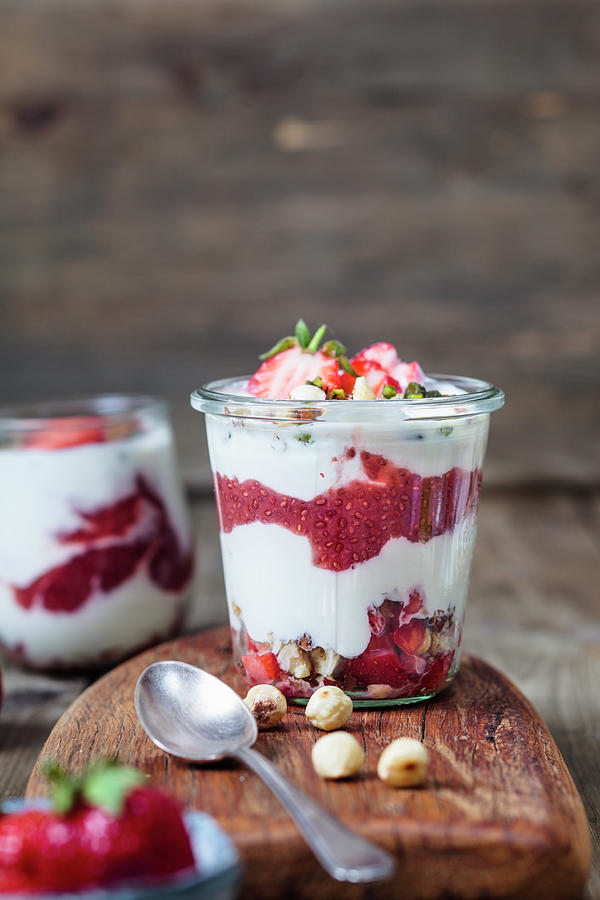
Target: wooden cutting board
{"x":499,"y":817}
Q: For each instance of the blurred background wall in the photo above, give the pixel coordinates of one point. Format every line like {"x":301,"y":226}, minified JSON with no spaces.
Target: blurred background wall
{"x":179,"y":181}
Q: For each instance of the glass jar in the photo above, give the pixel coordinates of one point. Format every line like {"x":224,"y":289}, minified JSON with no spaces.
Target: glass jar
{"x":95,"y":541}
{"x":347,"y":531}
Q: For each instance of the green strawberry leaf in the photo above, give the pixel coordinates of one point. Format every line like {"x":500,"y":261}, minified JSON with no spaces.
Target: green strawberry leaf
{"x":63,"y":797}
{"x":333,"y":348}
{"x":64,"y":787}
{"x":347,"y":366}
{"x":302,"y":333}
{"x":316,"y":339}
{"x":107,"y":784}
{"x":284,"y":344}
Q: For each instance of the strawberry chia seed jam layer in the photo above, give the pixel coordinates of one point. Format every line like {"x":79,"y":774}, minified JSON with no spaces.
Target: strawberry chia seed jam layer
{"x":96,"y":557}
{"x":347,"y":517}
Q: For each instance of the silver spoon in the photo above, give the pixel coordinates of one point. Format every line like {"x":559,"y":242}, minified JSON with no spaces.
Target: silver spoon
{"x":191,"y":714}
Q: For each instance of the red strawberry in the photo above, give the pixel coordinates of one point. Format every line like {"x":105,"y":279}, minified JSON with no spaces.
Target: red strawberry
{"x":382,"y":353}
{"x":63,"y":433}
{"x":379,"y":664}
{"x":380,"y":365}
{"x":410,"y":637}
{"x":105,"y":828}
{"x":280,"y":374}
{"x":434,"y":679}
{"x":377,"y":622}
{"x":261,"y":668}
{"x":415,"y":602}
{"x":405,"y":372}
{"x":375,"y":376}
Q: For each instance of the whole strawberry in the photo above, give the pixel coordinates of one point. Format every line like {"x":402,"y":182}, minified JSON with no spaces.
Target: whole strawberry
{"x":298,"y":360}
{"x":105,"y":827}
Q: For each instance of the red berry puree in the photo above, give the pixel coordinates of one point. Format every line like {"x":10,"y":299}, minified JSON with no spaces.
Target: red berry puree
{"x":116,"y":541}
{"x":410,"y":652}
{"x":351,"y":524}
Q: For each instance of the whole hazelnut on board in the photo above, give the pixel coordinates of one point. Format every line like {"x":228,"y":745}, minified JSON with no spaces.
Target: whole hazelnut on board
{"x":337,"y":755}
{"x":329,"y":708}
{"x":267,"y":705}
{"x":403,"y":763}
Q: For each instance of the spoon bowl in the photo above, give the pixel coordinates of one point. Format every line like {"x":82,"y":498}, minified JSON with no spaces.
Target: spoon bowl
{"x":191,"y":714}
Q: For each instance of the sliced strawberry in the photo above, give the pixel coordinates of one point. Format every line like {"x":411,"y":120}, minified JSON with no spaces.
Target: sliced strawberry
{"x":280,"y":374}
{"x":377,"y":621}
{"x":405,"y":372}
{"x":262,"y":668}
{"x":410,"y":637}
{"x":347,"y":382}
{"x":415,"y":602}
{"x":63,"y":433}
{"x":382,"y":353}
{"x":380,"y":362}
{"x":434,"y":679}
{"x":379,"y":664}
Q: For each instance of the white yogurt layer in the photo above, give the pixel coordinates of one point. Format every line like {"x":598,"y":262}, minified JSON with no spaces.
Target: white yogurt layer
{"x":133,"y":614}
{"x":43,"y":493}
{"x":269,"y":571}
{"x":270,"y":576}
{"x":306,"y":460}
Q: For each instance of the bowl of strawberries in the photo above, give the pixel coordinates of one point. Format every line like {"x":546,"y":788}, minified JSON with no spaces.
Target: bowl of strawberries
{"x":108,"y":833}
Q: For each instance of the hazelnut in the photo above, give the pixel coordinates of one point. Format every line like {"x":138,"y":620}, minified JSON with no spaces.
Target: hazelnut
{"x":267,"y":705}
{"x":294,"y":660}
{"x":325,"y":662}
{"x":307,"y":392}
{"x":403,"y":763}
{"x":425,"y":644}
{"x":337,"y":755}
{"x":329,"y":708}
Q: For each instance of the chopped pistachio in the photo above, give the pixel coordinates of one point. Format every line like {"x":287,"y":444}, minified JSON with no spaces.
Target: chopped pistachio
{"x":347,"y":366}
{"x":336,"y":394}
{"x":305,"y":438}
{"x":414,"y":391}
{"x":432,"y":393}
{"x":318,"y":382}
{"x":446,"y":430}
{"x":317,"y":337}
{"x":389,"y":391}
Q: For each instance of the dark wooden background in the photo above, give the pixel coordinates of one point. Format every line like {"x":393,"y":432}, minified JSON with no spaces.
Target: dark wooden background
{"x":179,"y":181}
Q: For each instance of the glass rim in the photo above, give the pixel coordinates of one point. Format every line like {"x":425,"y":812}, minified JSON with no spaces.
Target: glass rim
{"x":480,"y":397}
{"x":77,"y":411}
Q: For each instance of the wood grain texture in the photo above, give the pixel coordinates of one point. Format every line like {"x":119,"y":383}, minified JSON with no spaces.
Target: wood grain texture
{"x":500,"y":816}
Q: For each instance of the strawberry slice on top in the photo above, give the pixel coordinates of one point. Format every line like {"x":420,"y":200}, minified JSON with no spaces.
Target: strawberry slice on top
{"x":380,"y":365}
{"x":60,"y":434}
{"x":279,"y":375}
{"x":296,"y":360}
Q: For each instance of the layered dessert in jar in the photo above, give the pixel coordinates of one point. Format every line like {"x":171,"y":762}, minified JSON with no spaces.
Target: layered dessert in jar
{"x":95,"y":542}
{"x":347,"y":494}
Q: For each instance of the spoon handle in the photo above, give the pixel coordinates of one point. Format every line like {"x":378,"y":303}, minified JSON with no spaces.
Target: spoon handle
{"x":344,"y":854}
